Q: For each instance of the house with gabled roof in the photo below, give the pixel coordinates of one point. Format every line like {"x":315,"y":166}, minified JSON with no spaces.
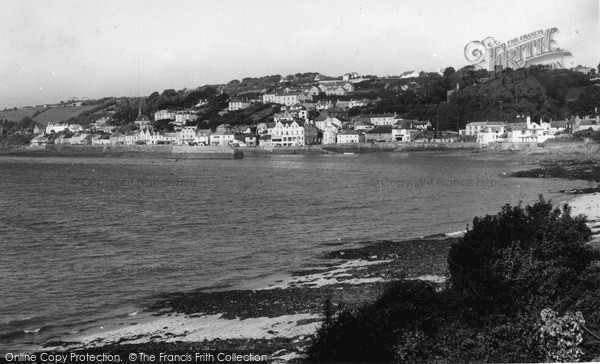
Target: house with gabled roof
{"x":382,"y":133}
{"x":164,"y":115}
{"x":336,"y":88}
{"x":582,"y":124}
{"x":322,"y":121}
{"x":265,"y":140}
{"x":101,"y":140}
{"x":349,"y":136}
{"x":81,"y":139}
{"x":117,"y":138}
{"x":379,"y":119}
{"x":237,"y":104}
{"x":473,"y":128}
{"x":559,"y":126}
{"x":405,"y":130}
{"x":525,"y":130}
{"x":313,"y":90}
{"x":39,"y":141}
{"x":409,"y":74}
{"x":490,"y":134}
{"x":287,"y":132}
{"x":222,"y":137}
{"x":330,"y":134}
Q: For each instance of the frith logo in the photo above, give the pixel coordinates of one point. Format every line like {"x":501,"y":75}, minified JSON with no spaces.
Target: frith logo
{"x":529,"y":49}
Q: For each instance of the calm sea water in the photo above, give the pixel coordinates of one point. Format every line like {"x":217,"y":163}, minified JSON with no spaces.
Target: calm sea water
{"x":85,"y":240}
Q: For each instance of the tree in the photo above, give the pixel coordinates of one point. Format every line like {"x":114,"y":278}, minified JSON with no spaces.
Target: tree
{"x":169,"y":93}
{"x":449,"y":71}
{"x":164,"y":125}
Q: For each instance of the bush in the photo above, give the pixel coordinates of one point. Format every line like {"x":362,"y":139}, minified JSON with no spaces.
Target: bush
{"x":373,"y":332}
{"x":521,"y":256}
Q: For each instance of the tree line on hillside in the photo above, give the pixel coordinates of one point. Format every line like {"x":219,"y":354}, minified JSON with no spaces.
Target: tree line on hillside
{"x":478,"y":95}
{"x":536,"y":91}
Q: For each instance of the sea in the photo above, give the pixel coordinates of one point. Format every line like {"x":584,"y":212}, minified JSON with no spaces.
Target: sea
{"x":85,"y":242}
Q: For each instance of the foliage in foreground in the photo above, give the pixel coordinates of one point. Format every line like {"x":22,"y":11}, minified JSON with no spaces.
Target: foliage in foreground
{"x":523,"y":286}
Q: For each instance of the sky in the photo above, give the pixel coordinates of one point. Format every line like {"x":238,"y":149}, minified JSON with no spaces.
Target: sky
{"x":58,"y":50}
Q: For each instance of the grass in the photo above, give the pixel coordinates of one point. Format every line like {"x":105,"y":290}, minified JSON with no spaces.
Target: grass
{"x":61,"y":114}
{"x":17,"y":115}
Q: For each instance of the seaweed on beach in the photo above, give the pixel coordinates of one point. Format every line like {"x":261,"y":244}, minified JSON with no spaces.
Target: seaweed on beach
{"x":588,"y":170}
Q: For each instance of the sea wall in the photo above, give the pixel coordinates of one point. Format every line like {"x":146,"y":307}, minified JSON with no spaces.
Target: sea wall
{"x":437,"y":145}
{"x":211,"y":149}
{"x":397,"y":146}
{"x":307,"y":149}
{"x":513,"y":146}
{"x":131,"y":151}
{"x":65,"y":149}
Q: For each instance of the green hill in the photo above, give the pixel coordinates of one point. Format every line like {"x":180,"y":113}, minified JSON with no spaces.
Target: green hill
{"x":17,"y":115}
{"x":60,"y":114}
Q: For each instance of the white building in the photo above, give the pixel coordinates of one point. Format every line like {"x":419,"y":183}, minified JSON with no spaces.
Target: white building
{"x":528,"y":131}
{"x":235,"y":105}
{"x":409,"y":74}
{"x":287,"y":133}
{"x":379,"y":119}
{"x":330,"y":134}
{"x":490,"y":134}
{"x":57,"y":128}
{"x":221,"y":137}
{"x":187,"y":134}
{"x":322,"y":122}
{"x":405,"y":130}
{"x":474,"y":127}
{"x":164,"y":115}
{"x":182,"y":117}
{"x":348,"y":136}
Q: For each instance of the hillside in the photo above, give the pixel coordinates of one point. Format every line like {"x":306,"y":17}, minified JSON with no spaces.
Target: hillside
{"x":534,"y":91}
{"x":17,"y":115}
{"x":60,"y":114}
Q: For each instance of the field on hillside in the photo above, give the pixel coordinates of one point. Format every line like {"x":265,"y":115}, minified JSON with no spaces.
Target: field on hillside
{"x":17,"y":115}
{"x":61,"y":114}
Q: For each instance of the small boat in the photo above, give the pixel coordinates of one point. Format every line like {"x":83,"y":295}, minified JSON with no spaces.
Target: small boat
{"x":348,"y":152}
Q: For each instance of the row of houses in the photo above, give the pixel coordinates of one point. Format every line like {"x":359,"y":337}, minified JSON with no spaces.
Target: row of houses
{"x":290,"y":96}
{"x":189,"y":135}
{"x":327,"y":129}
{"x":526,"y":130}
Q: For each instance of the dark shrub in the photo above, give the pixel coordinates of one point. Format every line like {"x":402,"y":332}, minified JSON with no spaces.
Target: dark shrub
{"x":372,"y":332}
{"x":532,"y":256}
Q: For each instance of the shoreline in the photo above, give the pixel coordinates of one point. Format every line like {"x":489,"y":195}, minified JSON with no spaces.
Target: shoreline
{"x":287,"y":312}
